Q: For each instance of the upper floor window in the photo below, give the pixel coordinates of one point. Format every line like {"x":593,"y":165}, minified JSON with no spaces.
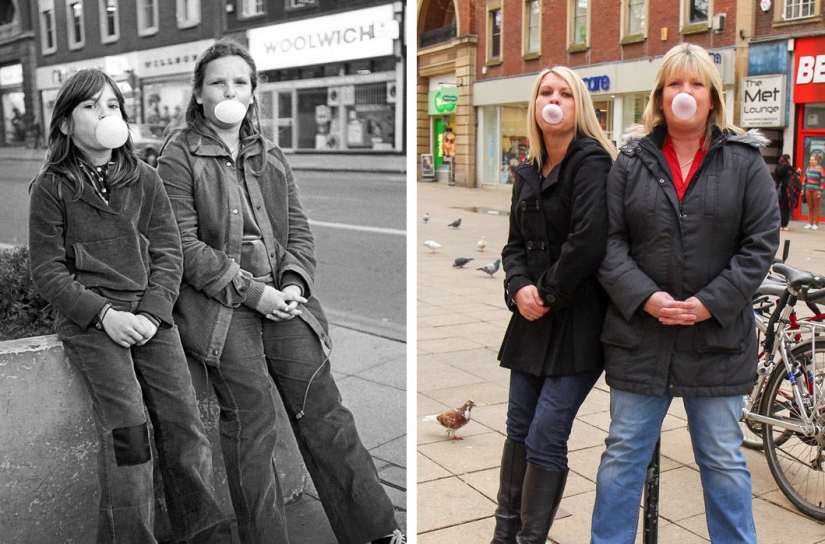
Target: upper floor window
{"x":532,"y":27}
{"x":494,"y":32}
{"x":74,"y":24}
{"x":634,"y":21}
{"x":189,"y":13}
{"x":578,"y":27}
{"x":252,"y":8}
{"x":109,"y":24}
{"x":48,"y":39}
{"x":796,"y":9}
{"x":697,"y":11}
{"x":295,"y":4}
{"x":147,"y":15}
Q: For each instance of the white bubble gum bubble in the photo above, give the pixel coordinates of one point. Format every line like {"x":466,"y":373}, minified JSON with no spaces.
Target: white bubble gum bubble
{"x":112,"y":132}
{"x":552,"y":114}
{"x":230,"y":112}
{"x":684,"y":106}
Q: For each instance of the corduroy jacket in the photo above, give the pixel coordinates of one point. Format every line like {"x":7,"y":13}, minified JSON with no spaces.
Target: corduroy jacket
{"x":203,"y":183}
{"x":130,"y":245}
{"x":716,"y":244}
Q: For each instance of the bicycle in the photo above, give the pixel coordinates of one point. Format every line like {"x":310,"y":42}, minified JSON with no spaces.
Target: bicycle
{"x":789,"y":391}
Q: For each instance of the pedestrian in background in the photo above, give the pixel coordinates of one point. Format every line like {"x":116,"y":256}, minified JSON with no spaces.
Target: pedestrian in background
{"x":694,"y":226}
{"x":248,"y":314}
{"x":105,"y":252}
{"x":558,"y":230}
{"x":787,"y":189}
{"x":814,"y":185}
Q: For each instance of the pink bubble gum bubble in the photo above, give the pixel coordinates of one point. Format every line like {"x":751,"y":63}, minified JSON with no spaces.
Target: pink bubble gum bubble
{"x":684,"y":106}
{"x":112,"y":132}
{"x":230,"y":112}
{"x":552,"y":114}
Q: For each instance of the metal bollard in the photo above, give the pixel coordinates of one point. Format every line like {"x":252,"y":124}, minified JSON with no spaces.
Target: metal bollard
{"x":650,"y":523}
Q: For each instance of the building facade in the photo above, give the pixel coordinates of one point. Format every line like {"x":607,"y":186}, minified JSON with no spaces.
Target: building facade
{"x":17,"y":79}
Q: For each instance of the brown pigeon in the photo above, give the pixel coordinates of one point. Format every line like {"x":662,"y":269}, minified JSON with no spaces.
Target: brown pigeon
{"x":453,"y":420}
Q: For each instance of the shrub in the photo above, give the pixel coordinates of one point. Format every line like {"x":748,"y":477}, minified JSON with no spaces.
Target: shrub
{"x":23,"y":312}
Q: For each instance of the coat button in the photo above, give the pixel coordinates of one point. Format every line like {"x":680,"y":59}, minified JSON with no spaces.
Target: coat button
{"x":214,"y":352}
{"x":228,"y":163}
{"x":235,"y":211}
{"x":661,"y":182}
{"x":550,"y":298}
{"x":537,"y":205}
{"x":530,"y":245}
{"x":684,"y":216}
{"x":523,"y":206}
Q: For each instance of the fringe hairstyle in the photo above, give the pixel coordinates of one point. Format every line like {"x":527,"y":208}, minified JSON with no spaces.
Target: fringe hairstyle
{"x":688,"y":57}
{"x":586,"y":121}
{"x":250,"y":131}
{"x":63,"y":156}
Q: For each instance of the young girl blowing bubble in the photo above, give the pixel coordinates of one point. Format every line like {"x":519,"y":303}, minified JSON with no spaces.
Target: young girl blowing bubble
{"x":105,"y":252}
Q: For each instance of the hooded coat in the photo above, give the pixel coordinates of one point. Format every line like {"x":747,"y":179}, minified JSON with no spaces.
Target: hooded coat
{"x":558,"y":232}
{"x":716,"y":244}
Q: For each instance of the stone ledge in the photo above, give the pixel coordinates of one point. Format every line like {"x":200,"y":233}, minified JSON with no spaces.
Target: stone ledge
{"x":48,"y":450}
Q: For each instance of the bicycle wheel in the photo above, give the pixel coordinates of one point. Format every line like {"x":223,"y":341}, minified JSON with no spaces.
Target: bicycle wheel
{"x":797,"y":462}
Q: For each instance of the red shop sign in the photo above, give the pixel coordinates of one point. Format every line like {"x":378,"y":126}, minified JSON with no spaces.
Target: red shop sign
{"x":809,"y":70}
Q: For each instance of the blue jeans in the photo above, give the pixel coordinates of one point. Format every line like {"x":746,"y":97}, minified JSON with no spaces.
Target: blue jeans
{"x":636,"y":422}
{"x":261,"y":360}
{"x":120,"y":381}
{"x":541,"y":411}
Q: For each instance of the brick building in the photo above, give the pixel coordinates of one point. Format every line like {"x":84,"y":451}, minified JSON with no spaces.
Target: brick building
{"x":17,"y":64}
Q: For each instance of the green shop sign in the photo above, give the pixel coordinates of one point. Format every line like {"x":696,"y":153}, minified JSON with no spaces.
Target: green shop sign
{"x":442,"y":101}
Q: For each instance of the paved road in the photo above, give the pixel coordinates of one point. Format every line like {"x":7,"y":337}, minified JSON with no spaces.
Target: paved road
{"x":358,"y":220}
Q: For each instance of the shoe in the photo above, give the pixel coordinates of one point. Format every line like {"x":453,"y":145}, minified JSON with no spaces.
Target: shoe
{"x":511,"y":482}
{"x":543,"y":490}
{"x":806,"y":227}
{"x":397,"y":537}
{"x":815,"y":227}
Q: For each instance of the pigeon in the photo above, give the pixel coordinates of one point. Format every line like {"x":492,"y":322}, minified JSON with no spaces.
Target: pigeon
{"x":432,"y":245}
{"x":461,"y":261}
{"x":453,"y":420}
{"x":481,"y":244}
{"x":455,"y":224}
{"x":491,"y":268}
{"x":426,"y":217}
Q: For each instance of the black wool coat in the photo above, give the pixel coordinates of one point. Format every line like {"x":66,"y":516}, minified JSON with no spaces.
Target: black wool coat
{"x":557,"y":238}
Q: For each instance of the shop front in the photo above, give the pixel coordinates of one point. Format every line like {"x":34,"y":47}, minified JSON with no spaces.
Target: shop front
{"x":333,"y":84}
{"x":809,"y":99}
{"x":619,"y":93}
{"x":442,"y":103}
{"x":12,"y":97}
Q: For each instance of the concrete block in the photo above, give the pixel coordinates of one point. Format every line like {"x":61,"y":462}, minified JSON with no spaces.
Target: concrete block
{"x":48,"y":448}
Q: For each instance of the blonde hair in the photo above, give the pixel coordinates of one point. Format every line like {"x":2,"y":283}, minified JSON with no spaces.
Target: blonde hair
{"x":688,"y":57}
{"x":586,"y":121}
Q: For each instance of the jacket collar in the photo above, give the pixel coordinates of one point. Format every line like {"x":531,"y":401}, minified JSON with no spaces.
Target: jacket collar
{"x":531,"y":173}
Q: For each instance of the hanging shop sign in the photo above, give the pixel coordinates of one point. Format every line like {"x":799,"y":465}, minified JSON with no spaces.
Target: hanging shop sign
{"x":442,"y":101}
{"x":763,"y":101}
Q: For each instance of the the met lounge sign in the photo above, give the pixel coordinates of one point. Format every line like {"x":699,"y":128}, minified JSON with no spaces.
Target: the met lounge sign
{"x":359,"y":34}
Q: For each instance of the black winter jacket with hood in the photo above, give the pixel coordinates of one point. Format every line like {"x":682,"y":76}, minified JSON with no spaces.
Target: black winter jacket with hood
{"x":716,"y":244}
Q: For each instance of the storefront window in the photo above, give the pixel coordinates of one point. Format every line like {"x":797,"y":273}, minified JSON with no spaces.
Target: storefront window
{"x":514,"y":142}
{"x":163,"y":102}
{"x":14,"y":111}
{"x":814,"y":116}
{"x":633,"y":110}
{"x":604,"y":112}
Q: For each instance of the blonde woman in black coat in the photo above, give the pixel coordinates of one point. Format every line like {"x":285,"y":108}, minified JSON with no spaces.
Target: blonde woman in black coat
{"x":558,"y":232}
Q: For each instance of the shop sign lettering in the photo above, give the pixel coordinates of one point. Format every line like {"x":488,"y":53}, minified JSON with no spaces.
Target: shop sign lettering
{"x":763,"y":101}
{"x":597,"y":83}
{"x":811,"y":70}
{"x":442,"y":101}
{"x":169,"y":61}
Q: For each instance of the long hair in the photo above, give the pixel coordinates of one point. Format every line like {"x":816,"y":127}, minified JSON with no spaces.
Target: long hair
{"x":63,"y":156}
{"x":688,"y":57}
{"x":586,"y":121}
{"x":250,"y":131}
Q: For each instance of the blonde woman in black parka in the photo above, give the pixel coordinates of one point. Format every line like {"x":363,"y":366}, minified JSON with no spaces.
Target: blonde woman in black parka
{"x":694,"y":226}
{"x":558,"y":231}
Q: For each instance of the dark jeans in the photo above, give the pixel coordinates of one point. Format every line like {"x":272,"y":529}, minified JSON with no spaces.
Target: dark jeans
{"x":262,"y":359}
{"x":541,"y":412}
{"x":120,"y":381}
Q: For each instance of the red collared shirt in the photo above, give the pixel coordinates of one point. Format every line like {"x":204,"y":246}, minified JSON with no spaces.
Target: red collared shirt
{"x":676,"y":168}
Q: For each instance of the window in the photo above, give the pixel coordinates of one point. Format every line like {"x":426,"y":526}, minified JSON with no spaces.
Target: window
{"x":48,"y":40}
{"x":147,"y":12}
{"x":494,"y":32}
{"x":635,"y":17}
{"x":796,"y":9}
{"x":74,"y":24}
{"x":251,"y":8}
{"x":579,"y":12}
{"x":109,"y":25}
{"x":532,"y":27}
{"x":697,"y":11}
{"x":189,"y":13}
{"x":296,"y":4}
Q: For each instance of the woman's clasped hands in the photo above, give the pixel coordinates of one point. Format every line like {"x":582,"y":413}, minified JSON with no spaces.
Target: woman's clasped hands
{"x":670,"y":311}
{"x":281,"y":305}
{"x":529,"y":303}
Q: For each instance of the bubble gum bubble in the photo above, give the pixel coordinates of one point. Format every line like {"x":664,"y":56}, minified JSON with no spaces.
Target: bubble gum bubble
{"x":112,"y":131}
{"x":684,"y":106}
{"x":230,"y":112}
{"x":552,"y":114}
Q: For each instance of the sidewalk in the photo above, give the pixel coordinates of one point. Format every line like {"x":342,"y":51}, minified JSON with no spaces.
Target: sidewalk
{"x":461,"y":321}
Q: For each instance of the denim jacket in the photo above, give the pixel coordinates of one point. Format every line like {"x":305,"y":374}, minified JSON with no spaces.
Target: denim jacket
{"x":203,"y":182}
{"x":80,"y":247}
